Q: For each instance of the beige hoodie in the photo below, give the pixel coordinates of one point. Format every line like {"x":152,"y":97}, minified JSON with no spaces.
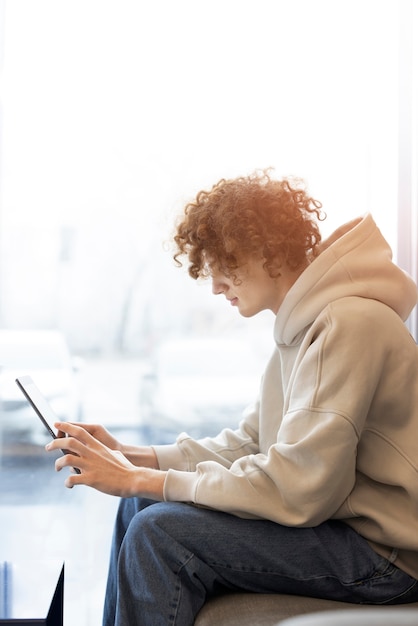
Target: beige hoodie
{"x":334,"y":433}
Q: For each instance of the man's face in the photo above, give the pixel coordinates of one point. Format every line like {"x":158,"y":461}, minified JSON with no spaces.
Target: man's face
{"x":254,"y":290}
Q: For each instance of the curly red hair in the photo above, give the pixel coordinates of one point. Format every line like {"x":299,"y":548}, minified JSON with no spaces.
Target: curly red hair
{"x":244,"y":217}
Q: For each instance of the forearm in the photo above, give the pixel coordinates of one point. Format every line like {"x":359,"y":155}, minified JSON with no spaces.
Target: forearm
{"x":141,"y":456}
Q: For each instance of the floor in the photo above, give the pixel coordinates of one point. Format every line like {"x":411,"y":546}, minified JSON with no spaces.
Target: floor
{"x":42,"y":520}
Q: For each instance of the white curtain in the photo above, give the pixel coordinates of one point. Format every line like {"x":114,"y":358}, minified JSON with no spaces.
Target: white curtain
{"x":408,"y":146}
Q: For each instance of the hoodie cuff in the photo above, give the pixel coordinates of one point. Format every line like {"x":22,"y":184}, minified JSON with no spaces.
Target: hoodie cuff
{"x":180,"y":486}
{"x":171,"y":457}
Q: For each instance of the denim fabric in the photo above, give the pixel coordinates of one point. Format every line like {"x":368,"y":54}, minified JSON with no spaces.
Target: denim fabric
{"x":168,"y":557}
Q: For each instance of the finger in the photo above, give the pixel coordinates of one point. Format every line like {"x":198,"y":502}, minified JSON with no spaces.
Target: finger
{"x":88,"y":427}
{"x":55,"y":444}
{"x":69,"y":428}
{"x":98,"y":431}
{"x":68,"y":445}
{"x":73,"y":479}
{"x":68,"y":460}
{"x":74,"y":430}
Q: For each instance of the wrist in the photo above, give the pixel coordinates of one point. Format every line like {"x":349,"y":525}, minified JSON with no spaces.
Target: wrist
{"x":148,"y":483}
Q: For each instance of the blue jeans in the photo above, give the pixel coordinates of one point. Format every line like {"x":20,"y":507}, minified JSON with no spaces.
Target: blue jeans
{"x":167,"y":558}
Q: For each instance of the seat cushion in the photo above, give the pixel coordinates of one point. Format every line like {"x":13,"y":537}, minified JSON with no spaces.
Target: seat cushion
{"x":253,"y":609}
{"x":376,"y":616}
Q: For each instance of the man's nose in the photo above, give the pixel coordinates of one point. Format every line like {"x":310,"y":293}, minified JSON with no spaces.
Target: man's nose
{"x":217,"y":287}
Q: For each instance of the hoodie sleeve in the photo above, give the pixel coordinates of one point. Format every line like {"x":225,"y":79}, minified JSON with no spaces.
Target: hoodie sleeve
{"x":298,"y":483}
{"x":223,"y":449}
{"x":310,"y":470}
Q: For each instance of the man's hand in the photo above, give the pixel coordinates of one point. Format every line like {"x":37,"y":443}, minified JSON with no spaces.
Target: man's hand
{"x":103,"y":467}
{"x":142,"y":456}
{"x":99,"y":432}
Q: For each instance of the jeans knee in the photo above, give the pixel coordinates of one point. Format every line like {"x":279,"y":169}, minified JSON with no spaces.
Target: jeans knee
{"x":164,"y":521}
{"x":151,"y":541}
{"x":145,"y":523}
{"x":149,"y":520}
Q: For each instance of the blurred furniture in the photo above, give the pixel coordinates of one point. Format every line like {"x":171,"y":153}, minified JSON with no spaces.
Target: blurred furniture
{"x":252,"y":609}
{"x":31,"y":592}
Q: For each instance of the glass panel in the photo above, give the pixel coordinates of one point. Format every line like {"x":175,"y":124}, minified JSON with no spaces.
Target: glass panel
{"x":112,"y":117}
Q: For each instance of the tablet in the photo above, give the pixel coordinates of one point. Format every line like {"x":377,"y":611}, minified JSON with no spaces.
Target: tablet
{"x":40,"y":405}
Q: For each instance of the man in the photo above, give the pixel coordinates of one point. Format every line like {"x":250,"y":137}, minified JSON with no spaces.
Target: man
{"x":316,"y":492}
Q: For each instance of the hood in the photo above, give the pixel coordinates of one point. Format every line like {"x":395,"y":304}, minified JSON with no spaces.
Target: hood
{"x":356,"y":260}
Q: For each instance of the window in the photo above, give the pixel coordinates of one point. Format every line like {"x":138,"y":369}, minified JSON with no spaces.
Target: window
{"x":113,"y":116}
